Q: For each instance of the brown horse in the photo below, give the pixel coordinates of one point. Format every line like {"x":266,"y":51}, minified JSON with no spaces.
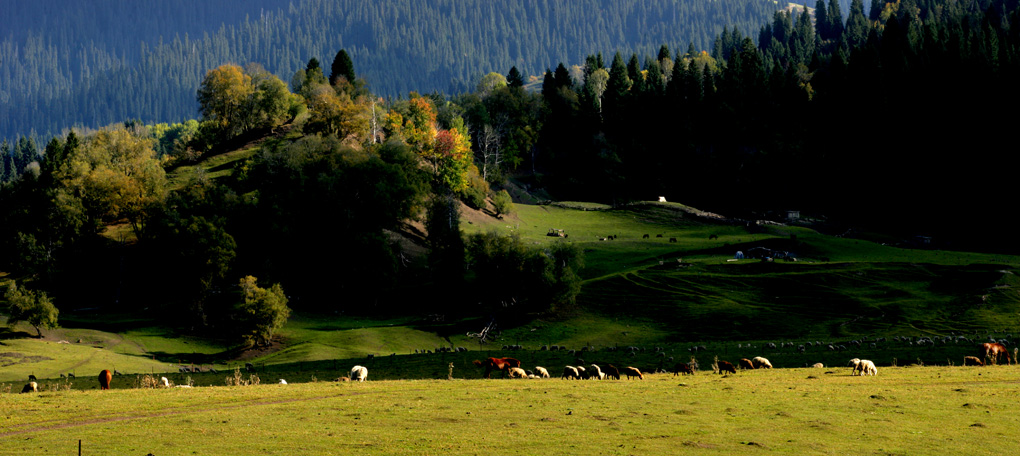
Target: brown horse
{"x":991,"y":352}
{"x":104,"y":379}
{"x":496,"y":364}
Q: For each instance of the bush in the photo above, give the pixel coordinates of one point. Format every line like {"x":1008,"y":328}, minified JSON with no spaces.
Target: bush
{"x":502,"y":202}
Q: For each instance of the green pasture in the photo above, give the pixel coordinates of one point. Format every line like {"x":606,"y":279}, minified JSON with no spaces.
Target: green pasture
{"x":904,"y":410}
{"x":216,"y":166}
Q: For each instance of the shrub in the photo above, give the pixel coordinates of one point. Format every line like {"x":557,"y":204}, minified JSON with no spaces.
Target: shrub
{"x":502,"y":202}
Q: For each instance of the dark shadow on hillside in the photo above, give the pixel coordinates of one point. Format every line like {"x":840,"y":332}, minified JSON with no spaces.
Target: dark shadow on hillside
{"x":197,"y":358}
{"x":9,"y":334}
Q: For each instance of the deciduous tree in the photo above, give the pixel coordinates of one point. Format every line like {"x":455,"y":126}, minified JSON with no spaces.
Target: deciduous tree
{"x":30,"y":306}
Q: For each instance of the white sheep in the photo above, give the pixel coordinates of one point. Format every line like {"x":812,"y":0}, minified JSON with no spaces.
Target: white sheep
{"x":596,"y":373}
{"x":359,"y":373}
{"x":164,"y":382}
{"x":516,"y":372}
{"x":283,"y":382}
{"x":856,"y":365}
{"x":760,"y":363}
{"x":868,"y":368}
{"x":541,"y":372}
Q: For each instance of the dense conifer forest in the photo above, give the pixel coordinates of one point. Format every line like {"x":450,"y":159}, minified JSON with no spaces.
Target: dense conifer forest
{"x":69,"y":63}
{"x":888,"y":117}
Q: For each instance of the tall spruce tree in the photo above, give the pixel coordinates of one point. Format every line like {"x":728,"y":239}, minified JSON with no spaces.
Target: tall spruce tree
{"x":514,"y":78}
{"x":342,"y":66}
{"x":835,"y":20}
{"x":822,"y":20}
{"x":856,"y":25}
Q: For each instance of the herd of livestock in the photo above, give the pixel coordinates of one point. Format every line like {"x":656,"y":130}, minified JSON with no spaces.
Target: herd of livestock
{"x":988,"y":353}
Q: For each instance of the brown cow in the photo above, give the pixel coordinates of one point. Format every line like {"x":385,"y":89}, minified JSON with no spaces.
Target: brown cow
{"x":745,"y":363}
{"x":682,"y":368}
{"x":499,"y":364}
{"x":104,"y":379}
{"x":972,"y":361}
{"x":725,"y":366}
{"x":632,"y":372}
{"x":991,"y":351}
{"x":612,"y":371}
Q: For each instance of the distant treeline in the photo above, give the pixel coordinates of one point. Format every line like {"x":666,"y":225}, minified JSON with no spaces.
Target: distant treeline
{"x":67,"y":63}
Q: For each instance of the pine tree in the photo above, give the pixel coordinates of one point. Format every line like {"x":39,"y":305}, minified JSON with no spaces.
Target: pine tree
{"x":562,"y":77}
{"x":514,"y":78}
{"x":619,"y":83}
{"x":663,"y":53}
{"x":876,"y":9}
{"x":634,"y":74}
{"x":342,"y":66}
{"x":822,"y":20}
{"x":835,"y":20}
{"x":856,"y":25}
{"x":548,"y":85}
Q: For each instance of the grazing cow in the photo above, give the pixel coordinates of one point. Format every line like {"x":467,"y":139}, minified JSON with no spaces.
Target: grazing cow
{"x":761,"y":363}
{"x":516,"y":372}
{"x":31,"y":378}
{"x":104,"y":379}
{"x":745,"y":363}
{"x":359,"y":373}
{"x":31,"y":387}
{"x":990,"y":352}
{"x":644,"y":237}
{"x":612,"y":371}
{"x":496,"y":364}
{"x":570,"y":372}
{"x":682,"y":368}
{"x":632,"y":372}
{"x":725,"y":366}
{"x":972,"y":361}
{"x":672,"y":239}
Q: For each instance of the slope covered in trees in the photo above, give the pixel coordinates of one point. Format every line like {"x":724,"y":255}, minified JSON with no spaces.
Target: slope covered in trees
{"x":69,"y":63}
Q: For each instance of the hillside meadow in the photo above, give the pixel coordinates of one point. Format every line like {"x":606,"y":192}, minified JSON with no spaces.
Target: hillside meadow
{"x":904,"y":410}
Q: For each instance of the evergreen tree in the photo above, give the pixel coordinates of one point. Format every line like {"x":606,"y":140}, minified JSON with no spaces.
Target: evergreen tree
{"x":856,"y":25}
{"x":876,"y":9}
{"x":822,"y":25}
{"x":835,"y":20}
{"x":514,"y":78}
{"x":663,"y":53}
{"x":562,"y":76}
{"x":634,"y":74}
{"x":619,"y":83}
{"x":548,"y":85}
{"x":342,"y":66}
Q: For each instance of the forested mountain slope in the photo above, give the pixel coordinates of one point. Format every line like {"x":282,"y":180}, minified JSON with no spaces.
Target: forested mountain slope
{"x":66,"y":63}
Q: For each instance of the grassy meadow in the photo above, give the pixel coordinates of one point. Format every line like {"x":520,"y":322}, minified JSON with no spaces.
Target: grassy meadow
{"x":903,"y":410}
